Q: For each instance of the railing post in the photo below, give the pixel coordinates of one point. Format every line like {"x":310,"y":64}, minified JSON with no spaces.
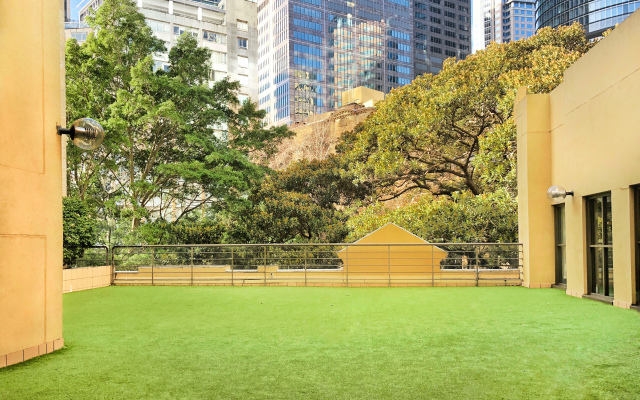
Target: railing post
{"x":191,"y":265}
{"x":433,"y":279}
{"x":113,"y":267}
{"x":347,"y":266}
{"x":265,"y":265}
{"x":232,"y":266}
{"x":305,"y":265}
{"x":389,"y":263}
{"x":152,"y":255}
{"x":477,"y":269}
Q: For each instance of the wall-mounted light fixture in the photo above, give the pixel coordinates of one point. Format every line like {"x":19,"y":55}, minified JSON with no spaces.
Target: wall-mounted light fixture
{"x":85,"y":133}
{"x":557,"y":194}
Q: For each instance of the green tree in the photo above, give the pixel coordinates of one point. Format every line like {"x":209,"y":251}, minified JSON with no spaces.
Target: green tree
{"x":172,"y":137}
{"x":79,"y":229}
{"x":461,"y":218}
{"x":303,"y":203}
{"x":454,"y":131}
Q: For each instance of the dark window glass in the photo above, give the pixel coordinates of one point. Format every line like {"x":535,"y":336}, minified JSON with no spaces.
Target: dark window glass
{"x":600,"y":245}
{"x":561,"y":242}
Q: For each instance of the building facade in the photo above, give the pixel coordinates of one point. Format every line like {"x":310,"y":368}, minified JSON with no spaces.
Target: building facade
{"x":317,"y":136}
{"x":227,"y":29}
{"x":310,"y":51}
{"x":503,"y":21}
{"x":596,"y":16}
{"x":31,"y":106}
{"x":585,"y":139}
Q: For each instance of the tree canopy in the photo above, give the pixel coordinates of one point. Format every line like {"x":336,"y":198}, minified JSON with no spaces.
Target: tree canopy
{"x":454,"y":131}
{"x":171,"y":136}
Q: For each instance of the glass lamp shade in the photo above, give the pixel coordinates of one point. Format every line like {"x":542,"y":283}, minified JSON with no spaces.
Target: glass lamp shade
{"x":87,"y":134}
{"x":556,"y":194}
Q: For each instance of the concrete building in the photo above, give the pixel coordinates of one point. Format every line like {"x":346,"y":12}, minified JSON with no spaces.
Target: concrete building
{"x":317,"y":136}
{"x":503,"y":21}
{"x":227,"y":28}
{"x":596,"y":16}
{"x":584,"y":138}
{"x":31,"y":106}
{"x":67,"y":10}
{"x":313,"y":50}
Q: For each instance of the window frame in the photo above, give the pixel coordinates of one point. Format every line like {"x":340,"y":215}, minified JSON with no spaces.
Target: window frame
{"x":593,"y":247}
{"x":560,"y":228}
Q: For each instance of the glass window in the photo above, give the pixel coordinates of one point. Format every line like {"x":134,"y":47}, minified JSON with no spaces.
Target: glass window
{"x":214,"y":37}
{"x":243,"y":26}
{"x":158,"y":26}
{"x":218,"y":57}
{"x":217,"y":75}
{"x":179,"y":30}
{"x":600,"y":245}
{"x":561,"y":241}
{"x":243,"y":62}
{"x":244,"y":80}
{"x":242,"y":43}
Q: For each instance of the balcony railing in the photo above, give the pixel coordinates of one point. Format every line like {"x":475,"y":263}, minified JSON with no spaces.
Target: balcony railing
{"x":337,"y":264}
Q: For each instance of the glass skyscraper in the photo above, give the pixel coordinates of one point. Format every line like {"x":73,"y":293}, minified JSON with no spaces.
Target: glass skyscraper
{"x":503,"y":21}
{"x":596,"y":16}
{"x":310,"y":51}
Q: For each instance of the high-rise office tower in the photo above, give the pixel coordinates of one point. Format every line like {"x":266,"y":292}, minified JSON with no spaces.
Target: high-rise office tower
{"x":67,"y":10}
{"x":503,"y":21}
{"x":442,"y":29}
{"x":227,"y":29}
{"x":596,"y":16}
{"x":310,"y":51}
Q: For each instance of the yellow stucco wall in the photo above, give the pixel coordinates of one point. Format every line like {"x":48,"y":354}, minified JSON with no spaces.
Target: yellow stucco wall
{"x":583,"y":136}
{"x":362,"y":95}
{"x":385,"y":258}
{"x":31,"y":77}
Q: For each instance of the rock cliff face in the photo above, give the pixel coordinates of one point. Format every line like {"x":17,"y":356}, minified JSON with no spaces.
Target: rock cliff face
{"x":316,"y":138}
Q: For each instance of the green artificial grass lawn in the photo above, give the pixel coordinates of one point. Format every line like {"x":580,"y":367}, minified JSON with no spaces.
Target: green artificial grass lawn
{"x":336,"y":343}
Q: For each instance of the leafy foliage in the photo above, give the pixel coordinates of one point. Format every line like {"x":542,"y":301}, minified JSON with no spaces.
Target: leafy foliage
{"x":454,"y":131}
{"x":303,"y":203}
{"x":165,"y":143}
{"x":79,"y":229}
{"x":463,"y":218}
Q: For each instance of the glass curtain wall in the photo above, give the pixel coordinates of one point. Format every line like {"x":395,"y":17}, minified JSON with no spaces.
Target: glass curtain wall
{"x":600,"y":245}
{"x":561,"y":251}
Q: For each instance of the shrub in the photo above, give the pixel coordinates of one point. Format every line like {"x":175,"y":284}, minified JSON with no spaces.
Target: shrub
{"x":79,"y":229}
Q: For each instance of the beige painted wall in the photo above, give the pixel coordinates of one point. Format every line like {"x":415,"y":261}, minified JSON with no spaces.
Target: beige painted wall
{"x":583,"y":136}
{"x":31,"y":105}
{"x":76,"y":279}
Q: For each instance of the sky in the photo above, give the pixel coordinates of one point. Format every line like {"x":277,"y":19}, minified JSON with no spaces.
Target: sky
{"x":74,"y":10}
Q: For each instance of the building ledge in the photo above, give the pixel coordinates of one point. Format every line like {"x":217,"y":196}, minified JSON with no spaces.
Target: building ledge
{"x":598,"y":297}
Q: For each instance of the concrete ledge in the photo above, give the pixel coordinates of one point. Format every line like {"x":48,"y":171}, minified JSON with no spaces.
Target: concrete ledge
{"x":31,"y":352}
{"x":598,"y":297}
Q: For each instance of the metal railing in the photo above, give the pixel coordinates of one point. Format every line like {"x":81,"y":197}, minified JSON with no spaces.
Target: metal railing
{"x":335,"y":264}
{"x":95,"y":256}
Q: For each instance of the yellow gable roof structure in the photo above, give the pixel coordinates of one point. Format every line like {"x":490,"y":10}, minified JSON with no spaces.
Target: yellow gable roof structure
{"x":391,"y":233}
{"x":391,"y":250}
